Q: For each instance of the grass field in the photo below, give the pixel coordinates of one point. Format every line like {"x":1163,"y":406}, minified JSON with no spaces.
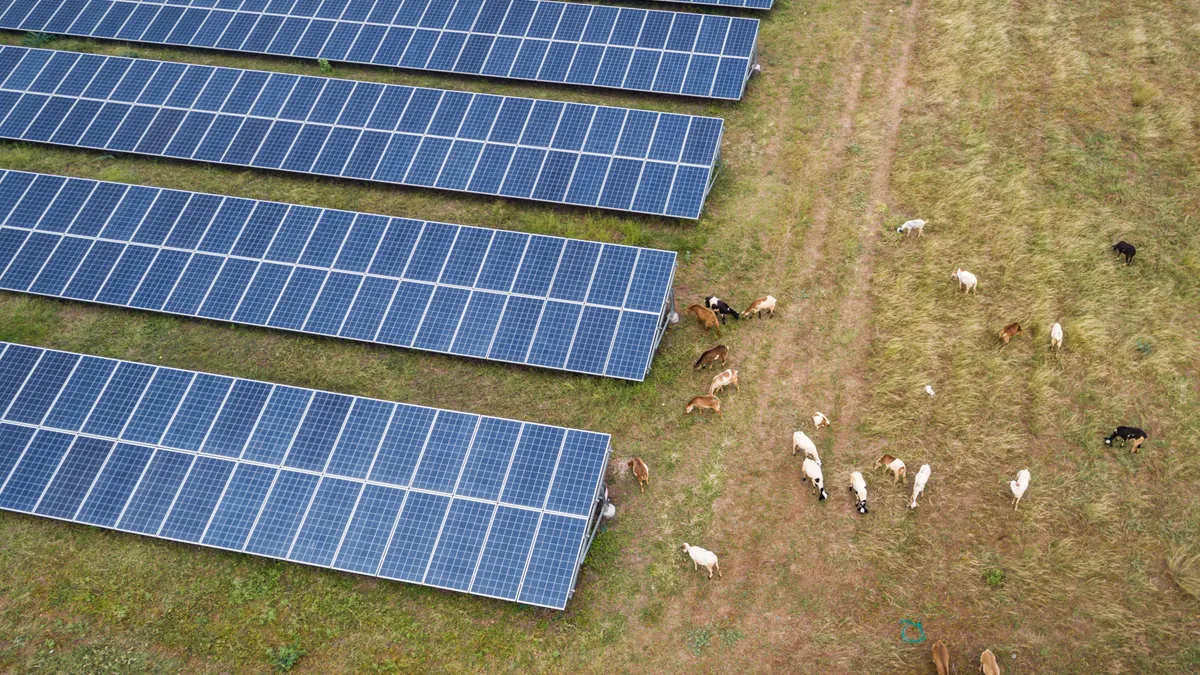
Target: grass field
{"x":1031,"y":136}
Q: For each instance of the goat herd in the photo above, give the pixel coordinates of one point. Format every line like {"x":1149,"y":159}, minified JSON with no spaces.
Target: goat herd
{"x":712,"y":314}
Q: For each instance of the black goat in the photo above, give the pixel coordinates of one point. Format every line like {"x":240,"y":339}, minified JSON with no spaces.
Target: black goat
{"x":1128,"y":434}
{"x":718,"y":305}
{"x":1126,"y":249}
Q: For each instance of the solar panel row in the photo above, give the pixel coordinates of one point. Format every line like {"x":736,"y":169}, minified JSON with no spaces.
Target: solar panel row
{"x":463,"y":502}
{"x":624,"y":48}
{"x":740,"y":4}
{"x":615,"y":158}
{"x":505,"y":296}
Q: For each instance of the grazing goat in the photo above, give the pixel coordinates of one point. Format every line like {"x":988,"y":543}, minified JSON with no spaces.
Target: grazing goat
{"x":706,"y":317}
{"x":820,"y":421}
{"x":717,"y":305}
{"x":913,"y":225}
{"x":1011,"y":331}
{"x":724,"y":379}
{"x":801,"y":441}
{"x":1019,"y":486}
{"x":1056,"y":337}
{"x":859,"y":487}
{"x":1128,"y":434}
{"x":641,"y":472}
{"x":702,"y":557}
{"x":1124,"y":248}
{"x":919,"y":484}
{"x":988,"y":664}
{"x":812,"y":472}
{"x":966,"y":280}
{"x":711,"y":356}
{"x":929,"y":390}
{"x":763,"y":304}
{"x":894,"y":465}
{"x":941,"y":658}
{"x":705,"y":403}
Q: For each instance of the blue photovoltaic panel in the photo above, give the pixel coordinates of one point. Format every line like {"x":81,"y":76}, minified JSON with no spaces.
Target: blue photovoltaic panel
{"x":563,"y":153}
{"x":615,"y":47}
{"x":484,"y":505}
{"x":507,"y":296}
{"x":733,"y":4}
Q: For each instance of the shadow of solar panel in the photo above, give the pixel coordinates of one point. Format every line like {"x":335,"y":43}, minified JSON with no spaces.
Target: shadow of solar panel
{"x":564,"y":153}
{"x":624,"y":48}
{"x":545,"y":301}
{"x":464,"y":502}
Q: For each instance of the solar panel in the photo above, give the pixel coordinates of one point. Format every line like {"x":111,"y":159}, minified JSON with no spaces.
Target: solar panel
{"x":463,"y":502}
{"x":536,"y":300}
{"x":623,"y":48}
{"x":564,"y":153}
{"x":739,"y":4}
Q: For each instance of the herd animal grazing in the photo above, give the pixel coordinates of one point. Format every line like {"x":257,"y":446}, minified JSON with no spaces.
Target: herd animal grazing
{"x":859,"y":487}
{"x":812,"y":472}
{"x":820,"y":421}
{"x":640,"y":471}
{"x":763,"y":304}
{"x":704,"y":403}
{"x":988,"y":664}
{"x":1128,"y":434}
{"x":801,"y":441}
{"x":707,"y":318}
{"x":941,"y":658}
{"x":894,"y":465}
{"x":717,"y":305}
{"x":919,"y":482}
{"x":1011,"y":331}
{"x":1019,"y":486}
{"x":966,"y":280}
{"x":718,"y":353}
{"x":725,"y":378}
{"x":911,"y":226}
{"x":702,"y":557}
{"x":1124,"y":248}
{"x":1056,"y":336}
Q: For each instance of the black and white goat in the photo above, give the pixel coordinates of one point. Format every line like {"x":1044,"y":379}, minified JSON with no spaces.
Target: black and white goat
{"x":718,"y":305}
{"x":1128,"y":434}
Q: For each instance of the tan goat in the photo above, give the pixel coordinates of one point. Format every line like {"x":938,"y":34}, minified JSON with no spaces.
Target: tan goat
{"x":941,"y":658}
{"x":707,"y":317}
{"x":763,"y":304}
{"x":1011,"y":331}
{"x":894,"y":465}
{"x":988,"y":664}
{"x":640,"y":471}
{"x":711,"y":356}
{"x":704,"y":402}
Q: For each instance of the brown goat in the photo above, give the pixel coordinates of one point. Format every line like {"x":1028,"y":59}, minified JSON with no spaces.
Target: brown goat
{"x":724,"y":379}
{"x":987,"y":663}
{"x":711,"y":356}
{"x":641,"y":472}
{"x":704,"y":402}
{"x":1011,"y":331}
{"x":894,"y":465}
{"x":707,"y":317}
{"x":763,"y":304}
{"x":941,"y":658}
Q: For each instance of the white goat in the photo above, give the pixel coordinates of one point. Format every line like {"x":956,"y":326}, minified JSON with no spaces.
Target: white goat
{"x":919,"y":484}
{"x":1056,"y":336}
{"x":820,"y":421}
{"x":1019,"y":486}
{"x":966,"y":280}
{"x":812,"y":472}
{"x":703,"y":557}
{"x":801,"y":441}
{"x":911,"y":226}
{"x":859,"y":486}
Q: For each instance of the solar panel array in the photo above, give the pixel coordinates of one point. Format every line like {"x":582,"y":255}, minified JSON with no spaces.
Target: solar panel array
{"x":623,"y":48}
{"x":505,"y":296}
{"x":566,"y":153}
{"x":462,"y":502}
{"x":733,"y":4}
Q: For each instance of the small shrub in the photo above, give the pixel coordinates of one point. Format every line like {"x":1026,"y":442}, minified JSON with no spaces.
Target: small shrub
{"x":1144,"y":346}
{"x":130,"y":54}
{"x":32,"y":39}
{"x":1143,"y":94}
{"x":324,"y":65}
{"x":698,"y":639}
{"x":284,"y":659}
{"x":994,"y":577}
